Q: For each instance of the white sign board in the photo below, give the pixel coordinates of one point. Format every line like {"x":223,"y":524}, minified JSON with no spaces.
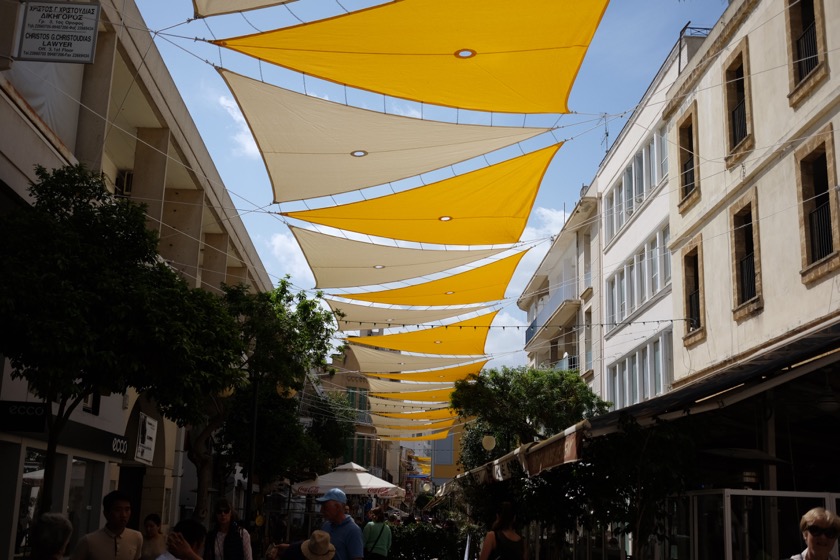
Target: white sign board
{"x":146,"y":435}
{"x":58,"y":32}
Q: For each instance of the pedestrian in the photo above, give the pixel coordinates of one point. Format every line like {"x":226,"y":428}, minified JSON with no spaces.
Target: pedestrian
{"x":344,"y":533}
{"x":228,"y":540}
{"x":377,"y":536}
{"x":154,"y":541}
{"x":820,"y":529}
{"x":503,"y":542}
{"x":316,"y":547}
{"x":50,"y":536}
{"x":114,"y":541}
{"x":185,"y":542}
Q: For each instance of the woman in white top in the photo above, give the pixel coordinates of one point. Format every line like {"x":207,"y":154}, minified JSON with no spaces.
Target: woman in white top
{"x":819,"y":529}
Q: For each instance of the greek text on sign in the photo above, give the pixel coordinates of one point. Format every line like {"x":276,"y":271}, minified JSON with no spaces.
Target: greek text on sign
{"x":59,"y":32}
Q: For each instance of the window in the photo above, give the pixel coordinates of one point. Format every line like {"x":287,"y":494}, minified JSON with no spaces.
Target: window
{"x":653,"y":266}
{"x":609,"y":216}
{"x":629,"y":201}
{"x":807,"y":67}
{"x":650,"y":165}
{"x":611,"y":299}
{"x":694,"y":303}
{"x":91,"y":403}
{"x":587,"y":261}
{"x":621,"y":302}
{"x":666,"y":256}
{"x":639,"y":187}
{"x":587,"y":343}
{"x":819,"y":226}
{"x":662,"y":152}
{"x":630,"y":274}
{"x":643,"y":373}
{"x":738,"y":104}
{"x":688,"y":160}
{"x":746,"y":270}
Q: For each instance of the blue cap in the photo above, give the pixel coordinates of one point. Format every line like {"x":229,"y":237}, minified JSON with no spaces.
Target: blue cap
{"x":334,"y":494}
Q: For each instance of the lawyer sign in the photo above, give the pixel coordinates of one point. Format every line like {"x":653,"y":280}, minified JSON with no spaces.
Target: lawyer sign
{"x":58,"y":32}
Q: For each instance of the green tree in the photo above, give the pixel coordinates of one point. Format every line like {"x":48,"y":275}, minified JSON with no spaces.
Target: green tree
{"x":285,"y":335}
{"x":87,"y":306}
{"x":520,"y":405}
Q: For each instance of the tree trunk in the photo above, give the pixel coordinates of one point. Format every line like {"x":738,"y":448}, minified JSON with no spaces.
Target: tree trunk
{"x":55,"y":425}
{"x":200,"y":454}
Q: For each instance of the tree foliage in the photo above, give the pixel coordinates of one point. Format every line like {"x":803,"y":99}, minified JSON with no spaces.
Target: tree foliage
{"x":87,"y":306}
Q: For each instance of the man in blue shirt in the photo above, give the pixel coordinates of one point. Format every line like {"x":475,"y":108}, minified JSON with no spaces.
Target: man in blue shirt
{"x":345,"y":535}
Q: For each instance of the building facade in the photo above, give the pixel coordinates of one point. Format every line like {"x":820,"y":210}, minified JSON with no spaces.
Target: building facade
{"x":122,"y":115}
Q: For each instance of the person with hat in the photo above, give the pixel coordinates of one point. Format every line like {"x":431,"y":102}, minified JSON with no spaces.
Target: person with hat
{"x":316,"y":547}
{"x":345,"y":535}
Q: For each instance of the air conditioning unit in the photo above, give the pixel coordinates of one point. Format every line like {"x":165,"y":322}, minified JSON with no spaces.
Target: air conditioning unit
{"x":123,"y":183}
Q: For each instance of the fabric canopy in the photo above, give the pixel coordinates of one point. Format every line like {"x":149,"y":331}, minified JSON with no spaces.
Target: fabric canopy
{"x":371,"y":360}
{"x":464,"y":337}
{"x":436,"y":375}
{"x":409,"y":430}
{"x":386,"y":385}
{"x":483,"y":284}
{"x":443,"y":434}
{"x":431,"y":414}
{"x":308,"y":144}
{"x":390,"y":406}
{"x":352,"y":479}
{"x":383,"y":422}
{"x":354,"y":317}
{"x":487,"y":56}
{"x":204,"y":8}
{"x":337,"y":262}
{"x":485,"y":207}
{"x":422,"y":459}
{"x":435,"y":395}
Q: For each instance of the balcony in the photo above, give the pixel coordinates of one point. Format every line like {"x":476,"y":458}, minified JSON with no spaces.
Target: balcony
{"x":557,"y":312}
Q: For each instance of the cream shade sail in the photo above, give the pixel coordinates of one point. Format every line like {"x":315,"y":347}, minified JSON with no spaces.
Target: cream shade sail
{"x":431,"y":414}
{"x":204,"y":8}
{"x":464,"y":337}
{"x":371,"y":360}
{"x":394,"y":424}
{"x":491,"y":55}
{"x":391,"y":430}
{"x":436,"y":375}
{"x":391,"y":406}
{"x":437,"y":395}
{"x":385,"y":385}
{"x":337,"y":262}
{"x":485,"y":207}
{"x":308,"y":144}
{"x":379,"y":420}
{"x":432,"y":436}
{"x":360,"y":317}
{"x":483,"y":284}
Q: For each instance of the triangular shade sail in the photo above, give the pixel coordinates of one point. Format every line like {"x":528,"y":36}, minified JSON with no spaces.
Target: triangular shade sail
{"x":383,"y":385}
{"x":308,"y":144}
{"x":337,"y":262}
{"x":371,"y":360}
{"x":485,"y":207}
{"x":204,"y":8}
{"x":483,"y":284}
{"x":435,"y":376}
{"x":432,"y":414}
{"x":378,"y":420}
{"x":408,"y":430}
{"x":389,"y":406}
{"x":443,"y":434}
{"x":392,"y":424}
{"x":422,"y":459}
{"x":436,"y":395}
{"x":361,"y":317}
{"x":488,"y":56}
{"x":464,"y":337}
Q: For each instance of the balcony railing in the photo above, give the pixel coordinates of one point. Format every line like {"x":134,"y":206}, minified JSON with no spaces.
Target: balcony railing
{"x":806,"y":51}
{"x":694,"y":322}
{"x":568,"y":290}
{"x":819,"y":222}
{"x":746,"y":273}
{"x":738,"y":122}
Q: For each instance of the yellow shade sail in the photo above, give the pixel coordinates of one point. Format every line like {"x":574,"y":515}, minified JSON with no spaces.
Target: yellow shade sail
{"x":419,"y":427}
{"x":423,"y":459}
{"x":435,"y":395}
{"x":390,"y":406}
{"x":464,"y":337}
{"x":377,"y":386}
{"x":371,"y":360}
{"x":204,"y":8}
{"x":435,"y":376}
{"x":492,"y":55}
{"x":485,"y":207}
{"x":483,"y":284}
{"x":432,"y":414}
{"x":378,"y":420}
{"x":355,"y":317}
{"x":443,"y":434}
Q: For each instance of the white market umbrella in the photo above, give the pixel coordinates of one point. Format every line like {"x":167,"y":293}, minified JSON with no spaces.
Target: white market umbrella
{"x":352,"y":479}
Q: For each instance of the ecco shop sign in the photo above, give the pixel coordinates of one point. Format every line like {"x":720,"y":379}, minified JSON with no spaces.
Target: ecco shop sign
{"x":19,"y":416}
{"x":58,"y":32}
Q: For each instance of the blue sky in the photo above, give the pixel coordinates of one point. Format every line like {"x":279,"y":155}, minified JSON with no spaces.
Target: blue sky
{"x":630,"y":45}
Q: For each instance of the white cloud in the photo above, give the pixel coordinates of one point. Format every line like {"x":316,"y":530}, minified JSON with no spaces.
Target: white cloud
{"x":505,"y":344}
{"x":289,"y":259}
{"x":242,"y":137}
